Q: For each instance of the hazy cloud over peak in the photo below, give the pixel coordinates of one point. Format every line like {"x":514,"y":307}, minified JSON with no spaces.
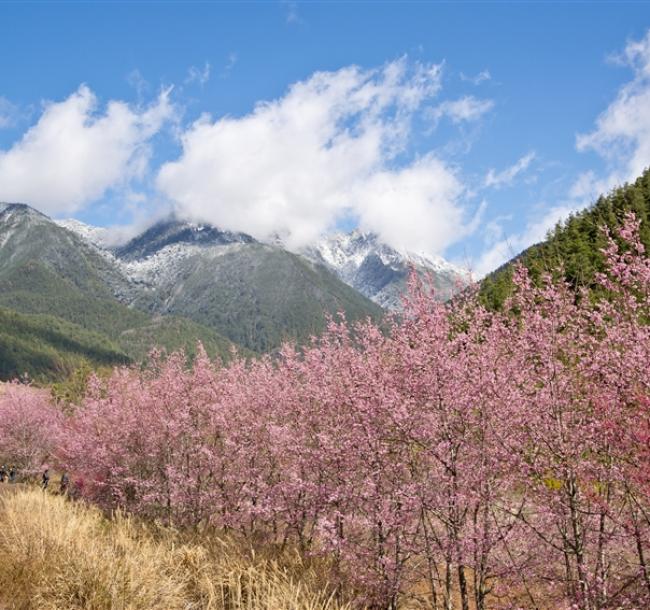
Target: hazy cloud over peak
{"x":296,"y":165}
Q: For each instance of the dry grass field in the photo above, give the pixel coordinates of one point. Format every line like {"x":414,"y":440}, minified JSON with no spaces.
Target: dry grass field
{"x":61,"y":555}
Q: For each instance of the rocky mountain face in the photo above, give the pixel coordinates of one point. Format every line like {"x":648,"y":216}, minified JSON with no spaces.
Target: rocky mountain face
{"x":380,"y":272}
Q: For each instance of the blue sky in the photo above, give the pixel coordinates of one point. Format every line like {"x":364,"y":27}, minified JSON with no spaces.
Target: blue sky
{"x":460,"y":128}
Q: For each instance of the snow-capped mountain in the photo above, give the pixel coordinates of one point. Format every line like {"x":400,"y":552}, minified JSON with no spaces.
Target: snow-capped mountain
{"x":179,"y":281}
{"x":379,"y":271}
{"x":256,"y":294}
{"x":157,"y":256}
{"x":163,"y":253}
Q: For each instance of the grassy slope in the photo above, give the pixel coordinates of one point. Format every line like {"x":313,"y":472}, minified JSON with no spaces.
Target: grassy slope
{"x":576,"y":243}
{"x":174,"y":333}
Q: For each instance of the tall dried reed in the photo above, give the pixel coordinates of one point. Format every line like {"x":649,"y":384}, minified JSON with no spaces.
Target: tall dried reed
{"x":61,"y":555}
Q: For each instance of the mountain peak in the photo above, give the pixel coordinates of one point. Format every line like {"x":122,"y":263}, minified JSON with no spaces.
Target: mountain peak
{"x":379,"y":271}
{"x":8,"y":209}
{"x":359,"y":258}
{"x":172,"y":231}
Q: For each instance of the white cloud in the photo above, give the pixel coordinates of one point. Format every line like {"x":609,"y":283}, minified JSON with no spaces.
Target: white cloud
{"x":326,"y":150}
{"x":8,"y":113}
{"x":506,"y":177}
{"x":621,"y":137}
{"x":415,"y":208}
{"x":198,"y":75}
{"x":466,"y":108}
{"x":622,"y":133}
{"x":75,"y":153}
{"x":482,"y":76}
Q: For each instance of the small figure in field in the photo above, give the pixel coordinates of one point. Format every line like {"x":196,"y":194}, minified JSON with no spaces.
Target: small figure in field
{"x":46,"y":479}
{"x":3,"y":474}
{"x":64,"y":484}
{"x":12,"y":474}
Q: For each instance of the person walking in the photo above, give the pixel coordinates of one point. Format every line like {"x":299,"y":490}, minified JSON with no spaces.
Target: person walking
{"x":46,"y":479}
{"x":64,"y":484}
{"x":12,"y":474}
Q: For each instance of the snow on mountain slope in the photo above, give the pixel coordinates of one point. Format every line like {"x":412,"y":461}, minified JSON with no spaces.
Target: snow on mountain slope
{"x":165,"y":265}
{"x":378,"y":271}
{"x":97,"y":236}
{"x":255,"y":295}
{"x":162,"y":254}
{"x":156,"y":256}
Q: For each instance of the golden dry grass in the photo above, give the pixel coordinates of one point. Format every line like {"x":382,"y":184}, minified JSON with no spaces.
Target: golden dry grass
{"x":61,"y":555}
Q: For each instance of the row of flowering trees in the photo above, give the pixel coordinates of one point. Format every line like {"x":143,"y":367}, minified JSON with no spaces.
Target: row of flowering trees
{"x":469,"y":458}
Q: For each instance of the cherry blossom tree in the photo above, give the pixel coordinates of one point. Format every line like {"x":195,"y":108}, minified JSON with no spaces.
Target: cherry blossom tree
{"x":29,"y":427}
{"x":499,"y":458}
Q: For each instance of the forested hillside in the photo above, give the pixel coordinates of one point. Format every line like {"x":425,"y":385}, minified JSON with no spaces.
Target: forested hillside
{"x":58,"y":309}
{"x":576,"y":243}
{"x":48,"y":348}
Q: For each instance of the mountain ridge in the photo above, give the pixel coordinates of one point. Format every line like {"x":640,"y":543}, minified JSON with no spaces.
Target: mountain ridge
{"x":186,"y":282}
{"x":361,"y":260}
{"x":176,"y":283}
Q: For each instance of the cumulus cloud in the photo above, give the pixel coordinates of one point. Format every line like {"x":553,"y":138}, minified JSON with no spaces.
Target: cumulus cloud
{"x":413,"y":208}
{"x":324,"y":151}
{"x":506,"y":177}
{"x":622,"y":133}
{"x":466,"y":108}
{"x":75,"y":152}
